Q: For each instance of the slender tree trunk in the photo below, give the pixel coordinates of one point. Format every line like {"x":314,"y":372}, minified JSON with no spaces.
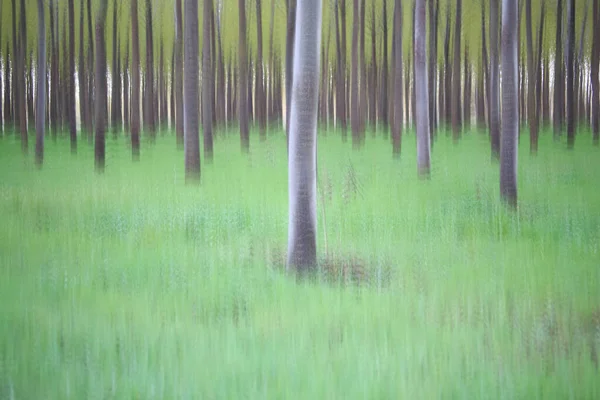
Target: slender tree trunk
{"x":456,"y":108}
{"x":30,"y":106}
{"x":538,"y":74}
{"x":421,"y":89}
{"x":243,"y":78}
{"x":355,"y":109}
{"x":302,"y":165}
{"x":207,"y":83}
{"x":467,"y":90}
{"x":559,"y":92}
{"x":594,"y":68}
{"x":494,"y":106}
{"x":126,"y":89}
{"x":510,"y":120}
{"x":362,"y":76}
{"x":397,"y":116}
{"x":90,"y":68}
{"x":41,"y":86}
{"x":21,"y":110}
{"x":432,"y":71}
{"x":340,"y":80}
{"x":150,"y":121}
{"x":114,"y":108}
{"x":383,"y":101}
{"x":101,"y":89}
{"x":190,"y":93}
{"x":289,"y":62}
{"x":260,"y":87}
{"x":448,"y":70}
{"x":135,"y":83}
{"x":221,"y":107}
{"x":373,"y":89}
{"x":82,"y":75}
{"x":484,"y":87}
{"x":178,"y":48}
{"x":571,"y":111}
{"x":531,"y":69}
{"x":71,"y":96}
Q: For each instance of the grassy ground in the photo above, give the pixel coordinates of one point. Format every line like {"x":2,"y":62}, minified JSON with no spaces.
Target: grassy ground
{"x":132,"y":285}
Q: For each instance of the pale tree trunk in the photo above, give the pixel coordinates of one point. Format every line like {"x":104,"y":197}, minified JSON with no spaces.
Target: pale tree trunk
{"x":100,"y":103}
{"x":41,"y":87}
{"x":510,"y":104}
{"x":82,"y":72}
{"x":135,"y":83}
{"x":302,"y":163}
{"x":191,"y":124}
{"x":397,"y":109}
{"x":373,"y":88}
{"x":421,"y":91}
{"x":207,"y":84}
{"x":494,"y":96}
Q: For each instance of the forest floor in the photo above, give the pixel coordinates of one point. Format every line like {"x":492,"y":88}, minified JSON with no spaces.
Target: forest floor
{"x":133,"y":285}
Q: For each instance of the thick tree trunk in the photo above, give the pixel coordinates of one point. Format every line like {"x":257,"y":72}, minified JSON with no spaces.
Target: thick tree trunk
{"x":101,"y":89}
{"x":397,"y":113}
{"x":190,"y":93}
{"x":135,"y":82}
{"x":538,"y":67}
{"x":422,"y":122}
{"x":494,"y":98}
{"x":221,"y":107}
{"x":243,"y":79}
{"x":510,"y":120}
{"x":41,"y":87}
{"x":207,"y":83}
{"x":302,"y":164}
{"x":571,"y":111}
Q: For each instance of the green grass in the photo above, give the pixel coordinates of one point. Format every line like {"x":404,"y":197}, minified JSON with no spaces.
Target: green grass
{"x":133,"y":285}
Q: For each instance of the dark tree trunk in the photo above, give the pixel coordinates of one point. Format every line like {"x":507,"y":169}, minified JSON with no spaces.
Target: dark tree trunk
{"x":510,"y":127}
{"x":150,"y":121}
{"x":178,"y":48}
{"x":538,"y":67}
{"x":484,"y":81}
{"x":162,"y":94}
{"x":221,"y":107}
{"x":243,"y":79}
{"x":448,"y":70}
{"x":494,"y":97}
{"x":340,"y":80}
{"x":546,"y":93}
{"x":190,"y":93}
{"x":41,"y":87}
{"x":373,"y":86}
{"x":362,"y":76}
{"x":571,"y":111}
{"x":115,"y":108}
{"x":397,"y":115}
{"x":250,"y":96}
{"x":595,"y":67}
{"x":207,"y":83}
{"x":134,"y":111}
{"x":53,"y":72}
{"x":82,"y":73}
{"x":71,"y":96}
{"x":422,"y":106}
{"x":383,"y":101}
{"x":531,"y":69}
{"x":355,"y":108}
{"x":559,"y":87}
{"x":30,"y":110}
{"x":456,"y":108}
{"x":90,"y":69}
{"x":20,"y":72}
{"x":260,"y":87}
{"x":101,"y":89}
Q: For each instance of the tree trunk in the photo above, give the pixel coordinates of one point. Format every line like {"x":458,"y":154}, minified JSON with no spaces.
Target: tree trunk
{"x":19,"y":71}
{"x":397,"y":116}
{"x":243,"y":78}
{"x":456,"y":101}
{"x":432,"y":71}
{"x":559,"y":89}
{"x":150,"y":121}
{"x":178,"y":49}
{"x":221,"y":107}
{"x":340,"y":80}
{"x":71,"y":96}
{"x":355,"y":108}
{"x":126,"y":89}
{"x":260,"y":87}
{"x":82,"y":73}
{"x":494,"y":97}
{"x":484,"y":79}
{"x":41,"y":87}
{"x":190,"y":93}
{"x":571,"y":112}
{"x":289,"y":61}
{"x":8,"y":119}
{"x":595,"y":67}
{"x":207,"y":83}
{"x":90,"y":74}
{"x":101,"y":88}
{"x":373,"y":87}
{"x":115,"y":89}
{"x":421,"y":89}
{"x":362,"y":76}
{"x":510,"y":120}
{"x":302,"y":165}
{"x":538,"y":73}
{"x":448,"y":70}
{"x":135,"y":83}
{"x":383,"y":101}
{"x":531,"y":72}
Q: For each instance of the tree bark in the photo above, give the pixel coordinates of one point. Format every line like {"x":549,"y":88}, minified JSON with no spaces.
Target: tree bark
{"x":510,"y":120}
{"x":595,"y":67}
{"x":397,"y":116}
{"x":448,"y":70}
{"x":373,"y":88}
{"x":432,"y":72}
{"x":421,"y":89}
{"x":100,"y":103}
{"x":207,"y":83}
{"x":190,"y":93}
{"x":71,"y":96}
{"x":456,"y":101}
{"x":559,"y":89}
{"x":135,"y":83}
{"x":115,"y":108}
{"x":571,"y":111}
{"x":383,"y":101}
{"x":41,"y":87}
{"x":531,"y":72}
{"x":289,"y":61}
{"x":355,"y":108}
{"x":302,"y":163}
{"x":260,"y":87}
{"x":126,"y":89}
{"x":150,"y":119}
{"x":494,"y":106}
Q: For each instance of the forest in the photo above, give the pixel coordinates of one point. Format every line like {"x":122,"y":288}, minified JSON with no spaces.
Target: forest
{"x":299,"y":199}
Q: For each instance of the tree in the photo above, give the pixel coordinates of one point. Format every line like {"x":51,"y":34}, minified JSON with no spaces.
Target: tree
{"x":302,"y":162}
{"x":178,"y":49}
{"x":101,"y":89}
{"x":82,"y":73}
{"x":71,"y":96}
{"x":289,"y":60}
{"x":383,"y":101}
{"x":150,"y":116}
{"x":494,"y":95}
{"x":531,"y":83}
{"x":559,"y":85}
{"x":115,"y":109}
{"x":397,"y":110}
{"x":135,"y":83}
{"x":41,"y":87}
{"x":571,"y":113}
{"x":595,"y":61}
{"x":456,"y":100}
{"x":355,"y":109}
{"x":207,"y":84}
{"x":260,"y":88}
{"x":421,"y":91}
{"x":243,"y":78}
{"x":510,"y":104}
{"x":191,"y":123}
